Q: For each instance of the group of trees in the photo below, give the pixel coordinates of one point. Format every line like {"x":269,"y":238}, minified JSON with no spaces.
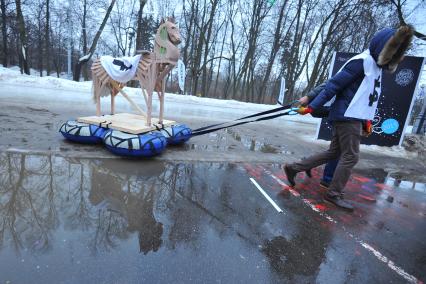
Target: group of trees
{"x":232,"y":49}
{"x":40,"y":34}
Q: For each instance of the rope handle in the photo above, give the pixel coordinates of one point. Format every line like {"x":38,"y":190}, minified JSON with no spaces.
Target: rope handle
{"x":289,"y":106}
{"x":289,"y":111}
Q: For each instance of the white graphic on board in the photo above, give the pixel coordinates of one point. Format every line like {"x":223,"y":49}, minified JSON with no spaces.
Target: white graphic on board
{"x":404,"y":77}
{"x":376,"y":123}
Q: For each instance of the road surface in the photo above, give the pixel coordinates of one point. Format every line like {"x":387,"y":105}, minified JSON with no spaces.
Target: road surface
{"x":77,"y":214}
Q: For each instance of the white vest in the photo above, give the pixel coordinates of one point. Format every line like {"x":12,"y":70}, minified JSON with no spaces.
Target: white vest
{"x":121,"y":69}
{"x":364,"y":103}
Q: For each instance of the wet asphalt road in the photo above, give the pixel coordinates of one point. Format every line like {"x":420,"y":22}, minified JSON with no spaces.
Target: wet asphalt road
{"x":70,"y":220}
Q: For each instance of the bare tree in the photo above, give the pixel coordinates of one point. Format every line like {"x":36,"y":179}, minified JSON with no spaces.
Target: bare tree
{"x":39,"y":11}
{"x":121,"y":23}
{"x":84,"y":37}
{"x":83,"y":60}
{"x":232,"y":49}
{"x":276,"y":44}
{"x":398,"y":5}
{"x":47,"y":37}
{"x":4,"y":33}
{"x":23,"y":52}
{"x":252,"y":29}
{"x":139,"y":31}
{"x":207,"y":45}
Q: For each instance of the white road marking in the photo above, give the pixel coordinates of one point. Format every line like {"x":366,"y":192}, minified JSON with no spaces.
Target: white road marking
{"x":266,"y":196}
{"x":410,"y":278}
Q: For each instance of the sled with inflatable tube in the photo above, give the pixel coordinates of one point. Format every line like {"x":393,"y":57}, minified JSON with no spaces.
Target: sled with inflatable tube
{"x":127,"y":134}
{"x":141,"y":135}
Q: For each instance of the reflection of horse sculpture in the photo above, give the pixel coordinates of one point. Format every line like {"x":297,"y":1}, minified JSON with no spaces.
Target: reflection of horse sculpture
{"x":137,"y":208}
{"x":152,"y":69}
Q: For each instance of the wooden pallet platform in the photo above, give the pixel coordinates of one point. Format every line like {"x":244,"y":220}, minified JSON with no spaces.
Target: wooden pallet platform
{"x":126,"y":122}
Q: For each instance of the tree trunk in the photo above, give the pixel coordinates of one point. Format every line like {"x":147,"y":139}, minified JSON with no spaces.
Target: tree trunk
{"x":40,"y":43}
{"x":4,"y":34}
{"x":139,"y":29}
{"x":398,"y":6}
{"x":23,"y":52}
{"x":275,"y":47}
{"x":83,"y":60}
{"x":84,"y":33}
{"x":210,"y":22}
{"x":47,"y":33}
{"x":198,"y":53}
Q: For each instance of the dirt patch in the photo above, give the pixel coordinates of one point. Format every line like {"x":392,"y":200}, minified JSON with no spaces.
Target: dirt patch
{"x":415,"y":143}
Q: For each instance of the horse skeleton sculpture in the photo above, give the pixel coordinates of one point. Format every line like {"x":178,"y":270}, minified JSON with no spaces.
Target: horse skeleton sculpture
{"x":152,"y":69}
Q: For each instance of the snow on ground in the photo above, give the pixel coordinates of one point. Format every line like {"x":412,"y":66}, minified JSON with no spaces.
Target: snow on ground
{"x":14,"y":76}
{"x":36,"y":72}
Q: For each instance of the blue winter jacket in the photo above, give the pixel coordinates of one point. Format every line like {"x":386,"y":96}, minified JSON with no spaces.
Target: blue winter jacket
{"x":345,"y":83}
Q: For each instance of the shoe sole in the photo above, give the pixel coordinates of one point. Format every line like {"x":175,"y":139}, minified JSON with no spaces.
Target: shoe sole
{"x":308,"y":173}
{"x":324,"y":186}
{"x":343,"y":208}
{"x":286,"y":174}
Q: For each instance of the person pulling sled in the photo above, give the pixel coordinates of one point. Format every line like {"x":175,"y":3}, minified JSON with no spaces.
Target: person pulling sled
{"x":356,"y":88}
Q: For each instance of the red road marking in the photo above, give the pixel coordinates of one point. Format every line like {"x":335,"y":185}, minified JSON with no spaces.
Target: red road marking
{"x":408,"y":277}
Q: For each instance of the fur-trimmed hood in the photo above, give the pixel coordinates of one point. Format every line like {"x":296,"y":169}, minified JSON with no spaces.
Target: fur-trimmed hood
{"x":389,"y":45}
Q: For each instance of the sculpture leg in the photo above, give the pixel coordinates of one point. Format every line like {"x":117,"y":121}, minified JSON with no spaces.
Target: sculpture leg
{"x":161,"y":97}
{"x":152,"y":76}
{"x":98,"y":103}
{"x":113,"y":103}
{"x":149,"y":108}
{"x":115,"y":89}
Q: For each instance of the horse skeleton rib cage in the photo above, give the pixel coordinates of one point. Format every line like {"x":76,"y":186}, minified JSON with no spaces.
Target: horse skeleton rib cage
{"x":153,"y":67}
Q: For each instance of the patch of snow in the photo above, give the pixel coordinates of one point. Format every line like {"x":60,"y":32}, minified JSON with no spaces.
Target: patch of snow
{"x":36,"y":72}
{"x":86,"y":57}
{"x":13,"y":76}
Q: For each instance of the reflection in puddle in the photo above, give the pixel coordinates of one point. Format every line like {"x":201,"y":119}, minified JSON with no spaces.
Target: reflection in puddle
{"x":248,"y":142}
{"x":226,"y":140}
{"x":406,"y":184}
{"x":396,"y":179}
{"x":38,"y":193}
{"x":209,"y":148}
{"x":93,"y":207}
{"x":63,"y":212}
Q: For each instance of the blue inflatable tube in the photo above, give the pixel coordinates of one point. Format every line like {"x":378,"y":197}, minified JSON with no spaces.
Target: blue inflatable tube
{"x":82,"y":132}
{"x":133,"y":145}
{"x":126,"y":144}
{"x":176,"y":134}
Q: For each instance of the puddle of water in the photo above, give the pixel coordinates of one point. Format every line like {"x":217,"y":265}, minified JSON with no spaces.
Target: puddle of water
{"x":66,"y":214}
{"x":93,"y":219}
{"x":227,"y":140}
{"x":256,"y":145}
{"x":209,"y":148}
{"x":396,"y":179}
{"x":406,"y":184}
